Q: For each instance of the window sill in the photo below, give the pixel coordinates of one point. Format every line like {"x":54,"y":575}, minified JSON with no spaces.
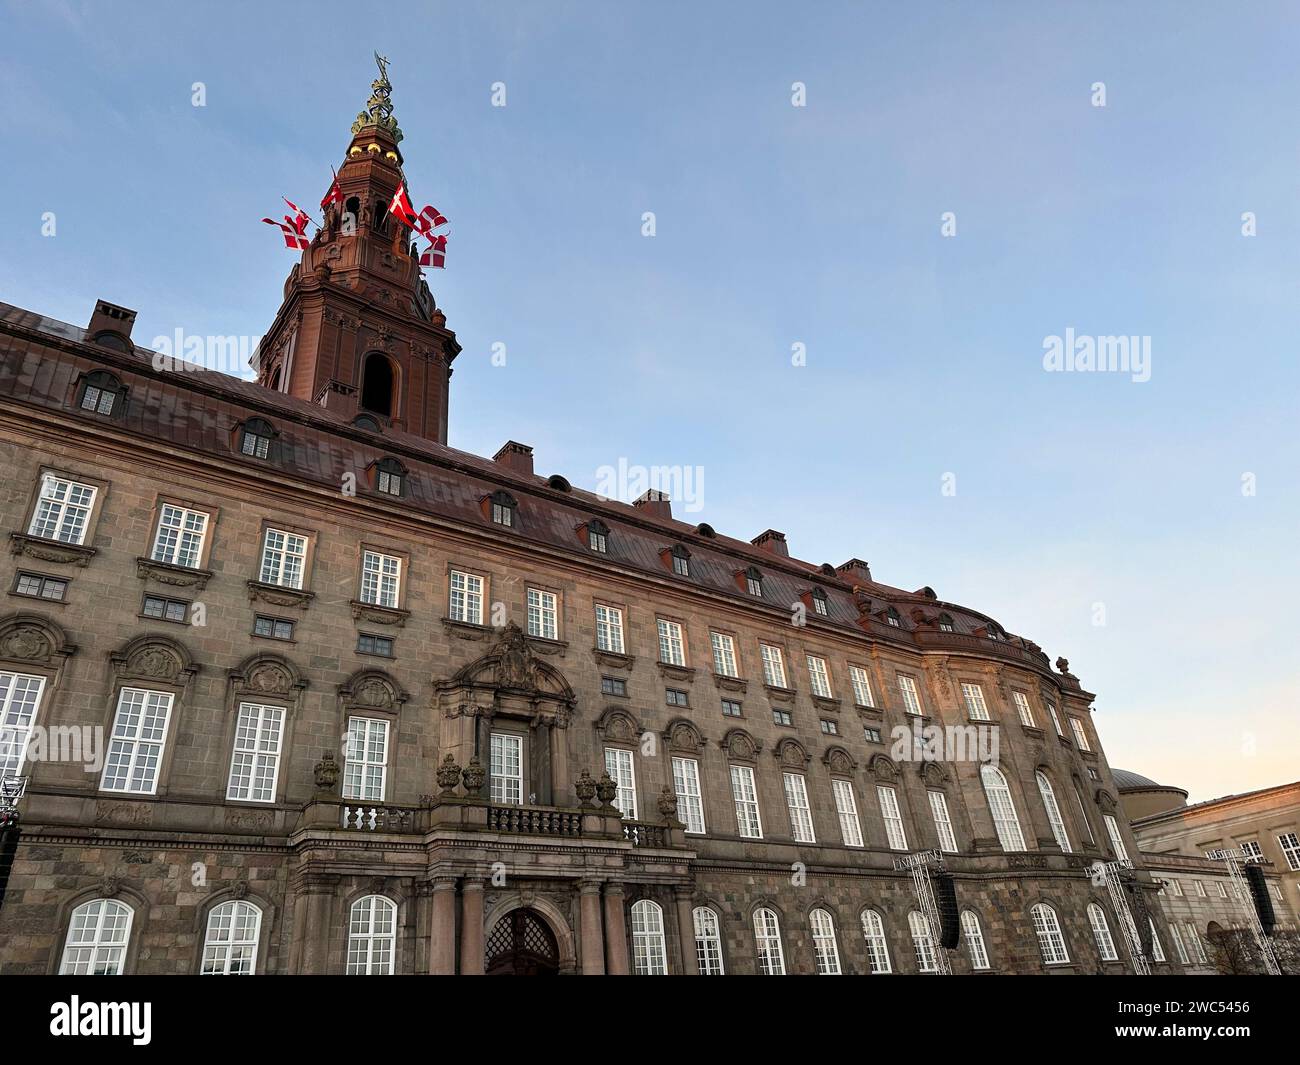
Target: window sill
{"x":613,"y":658}
{"x":826,"y":702}
{"x":729,"y":683}
{"x":546,"y":646}
{"x":667,"y":669}
{"x":784,"y":695}
{"x":51,"y":550}
{"x":38,"y":598}
{"x":380,"y":615}
{"x":173,"y":575}
{"x":466,"y":630}
{"x":278,"y":595}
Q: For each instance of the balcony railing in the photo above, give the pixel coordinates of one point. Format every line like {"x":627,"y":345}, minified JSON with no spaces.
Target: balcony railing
{"x":379,"y":819}
{"x":534,"y":820}
{"x":642,"y":834}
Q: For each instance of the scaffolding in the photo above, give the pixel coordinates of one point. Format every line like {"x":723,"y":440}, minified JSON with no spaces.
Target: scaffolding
{"x":1234,"y":858}
{"x":921,"y":865}
{"x":12,"y":789}
{"x":1113,"y":872}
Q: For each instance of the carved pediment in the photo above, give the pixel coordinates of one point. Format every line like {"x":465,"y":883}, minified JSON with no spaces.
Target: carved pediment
{"x":619,"y":725}
{"x":839,"y":761}
{"x":154,"y":658}
{"x":267,"y":674}
{"x":933,"y":774}
{"x":682,"y":735}
{"x":372,"y":689}
{"x":740,"y":745}
{"x":511,"y":666}
{"x":791,"y":754}
{"x":882,"y":767}
{"x":32,"y":638}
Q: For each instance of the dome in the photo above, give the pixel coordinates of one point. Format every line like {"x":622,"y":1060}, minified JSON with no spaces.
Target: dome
{"x":1124,"y":780}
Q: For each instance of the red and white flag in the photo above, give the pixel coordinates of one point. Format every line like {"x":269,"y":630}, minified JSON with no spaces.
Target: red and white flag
{"x":435,"y":254}
{"x":401,"y":207}
{"x":335,"y":194}
{"x":300,"y":217}
{"x":293,"y":236}
{"x":429,"y":219}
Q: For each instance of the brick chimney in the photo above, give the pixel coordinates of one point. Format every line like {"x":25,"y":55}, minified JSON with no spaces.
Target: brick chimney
{"x":654,"y":502}
{"x":773,"y":542}
{"x":854,"y":569}
{"x":515,"y":456}
{"x":110,"y":318}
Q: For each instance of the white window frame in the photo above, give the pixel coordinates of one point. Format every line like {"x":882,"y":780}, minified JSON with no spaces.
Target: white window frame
{"x":744,"y":794}
{"x":1196,"y":943}
{"x":773,"y":665}
{"x":63,"y":510}
{"x":927,"y":960}
{"x":255,"y":757}
{"x":861,"y":681}
{"x":942,"y":821}
{"x":1056,"y":720}
{"x":609,"y":629}
{"x":1023,"y":709}
{"x":796,"y":801}
{"x":234,"y":930}
{"x":1179,"y":948}
{"x":1157,"y":948}
{"x":708,"y":941}
{"x":1290,"y":844}
{"x":381,"y":579}
{"x":99,"y":933}
{"x":724,"y":654}
{"x":506,"y":768}
{"x":1101,"y":933}
{"x":767,"y":942}
{"x":1051,"y":941}
{"x":465,"y":593}
{"x":1083,"y":812}
{"x":1116,"y":839}
{"x":649,"y":949}
{"x":973,"y":933}
{"x":1054,"y":818}
{"x":136,"y":747}
{"x":873,"y":932}
{"x":690,"y":798}
{"x":543,"y":614}
{"x":20,"y":705}
{"x":1002,"y":805}
{"x":911,"y":695}
{"x":672,"y":643}
{"x":372,"y":936}
{"x":280,"y":551}
{"x":180,"y":535}
{"x":621,"y":766}
{"x":826,"y":951}
{"x":819,"y":677}
{"x":365,"y":759}
{"x":973,"y":695}
{"x":891,"y":813}
{"x":846,"y":806}
{"x":1080,"y":733}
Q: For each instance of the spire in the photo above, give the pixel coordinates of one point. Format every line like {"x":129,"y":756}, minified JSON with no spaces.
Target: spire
{"x":379,"y":108}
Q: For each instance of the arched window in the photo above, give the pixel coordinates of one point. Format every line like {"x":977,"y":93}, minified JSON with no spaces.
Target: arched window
{"x":754,"y":581}
{"x":372,"y":936}
{"x":945,"y":623}
{"x":708,"y":941}
{"x":97,"y":937}
{"x":255,"y":438}
{"x":381,"y":216}
{"x":598,"y":536}
{"x":390,"y":477}
{"x":108,"y":339}
{"x":353,"y":208}
{"x":100,"y":393}
{"x":377,"y":384}
{"x":366,"y":422}
{"x":1005,"y":820}
{"x":503,"y":509}
{"x":974,"y":936}
{"x":230,"y":948}
{"x":873,"y":931}
{"x":649,"y":956}
{"x":1051,"y":944}
{"x":767,"y":938}
{"x":681,"y":561}
{"x":274,"y":383}
{"x":824,"y":946}
{"x":1101,"y":933}
{"x":923,"y":942}
{"x":1054,"y":817}
{"x":892,"y":616}
{"x":819,"y":601}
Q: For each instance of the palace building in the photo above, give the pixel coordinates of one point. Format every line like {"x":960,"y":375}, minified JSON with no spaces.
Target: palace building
{"x":296,"y":687}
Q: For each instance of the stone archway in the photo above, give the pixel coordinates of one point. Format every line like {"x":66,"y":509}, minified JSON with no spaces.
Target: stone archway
{"x":516,"y":946}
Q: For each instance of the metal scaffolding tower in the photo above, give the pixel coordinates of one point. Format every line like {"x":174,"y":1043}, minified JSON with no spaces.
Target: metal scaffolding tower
{"x":1235,"y":858}
{"x":1114,"y":876}
{"x":920,"y":866}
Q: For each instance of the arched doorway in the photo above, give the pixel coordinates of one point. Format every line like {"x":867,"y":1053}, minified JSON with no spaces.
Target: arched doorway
{"x":377,"y":384}
{"x":521,"y":944}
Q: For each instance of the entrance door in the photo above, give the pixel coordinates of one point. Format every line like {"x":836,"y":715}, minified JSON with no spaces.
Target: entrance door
{"x":521,"y":944}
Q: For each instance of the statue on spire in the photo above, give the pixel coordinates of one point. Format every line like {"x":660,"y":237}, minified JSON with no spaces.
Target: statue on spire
{"x":379,"y":108}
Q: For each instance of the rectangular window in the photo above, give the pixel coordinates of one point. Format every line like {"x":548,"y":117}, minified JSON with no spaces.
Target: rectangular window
{"x":676,"y":697}
{"x":819,"y":676}
{"x":1223,"y":890}
{"x":284,"y":557}
{"x":871,"y":734}
{"x":1195,"y":943}
{"x":745,"y":796}
{"x":942,"y":822}
{"x":275,"y":628}
{"x":796,"y":798}
{"x":543,"y":614}
{"x":62,"y":510}
{"x":731,"y":708}
{"x":1083,"y":813}
{"x":681,"y":565}
{"x":861,"y":686}
{"x":724,"y":655}
{"x":1080,"y":736}
{"x":1116,"y":840}
{"x":773,"y":666}
{"x":973,"y":695}
{"x":690,"y":802}
{"x":466,"y":597}
{"x":846,"y":806}
{"x":20,"y":700}
{"x":672,"y":648}
{"x":598,"y":541}
{"x":255,"y":764}
{"x":829,"y":727}
{"x":894,"y":830}
{"x":1252,"y":850}
{"x":1177,"y":888}
{"x":911,"y":698}
{"x":618,"y":764}
{"x":39,"y":586}
{"x":381,"y":579}
{"x":782,"y":717}
{"x":135,"y":748}
{"x":179,"y":540}
{"x":613,"y":686}
{"x":1290,"y":845}
{"x":507,"y":769}
{"x":1056,"y":721}
{"x":1179,"y":949}
{"x":1022,"y":708}
{"x":609,"y":629}
{"x":755,"y":586}
{"x":365,"y":768}
{"x":155,"y":606}
{"x":368,"y":644}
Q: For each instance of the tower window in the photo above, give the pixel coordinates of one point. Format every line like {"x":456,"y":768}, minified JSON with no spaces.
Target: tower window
{"x":377,"y":384}
{"x":100,"y":392}
{"x":255,"y":439}
{"x":503,"y":509}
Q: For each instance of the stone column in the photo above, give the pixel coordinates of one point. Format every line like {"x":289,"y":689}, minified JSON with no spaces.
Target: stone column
{"x":471,"y":928}
{"x":686,"y":931}
{"x":313,"y":924}
{"x":561,"y":785}
{"x":442,"y":927}
{"x":616,"y":960}
{"x":591,"y":937}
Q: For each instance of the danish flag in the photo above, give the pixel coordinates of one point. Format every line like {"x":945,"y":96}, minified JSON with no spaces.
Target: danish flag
{"x":291,"y":229}
{"x":435,"y":254}
{"x":401,"y":207}
{"x":335,"y":194}
{"x":429,"y":219}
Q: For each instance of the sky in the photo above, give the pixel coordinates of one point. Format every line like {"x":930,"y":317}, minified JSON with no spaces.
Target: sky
{"x":1144,"y":529}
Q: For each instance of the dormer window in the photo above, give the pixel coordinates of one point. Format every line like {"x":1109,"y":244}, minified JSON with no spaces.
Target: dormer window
{"x":754,"y":582}
{"x":681,"y":561}
{"x":598,"y":536}
{"x":945,"y":623}
{"x":390,"y":477}
{"x":892,"y":617}
{"x":255,"y":438}
{"x":993,"y":632}
{"x":99,"y":393}
{"x":369,"y":424}
{"x":819,"y":601}
{"x":112,"y":340}
{"x":503,"y":509}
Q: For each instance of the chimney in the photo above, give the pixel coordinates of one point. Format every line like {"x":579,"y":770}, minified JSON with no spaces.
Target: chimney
{"x":773,"y":542}
{"x":110,"y":318}
{"x":654,"y":502}
{"x":854,"y":569}
{"x":516,"y":457}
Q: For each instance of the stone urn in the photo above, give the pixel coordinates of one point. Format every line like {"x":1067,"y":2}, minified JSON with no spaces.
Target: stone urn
{"x":473,"y":776}
{"x":606,"y":790}
{"x":586,"y":789}
{"x":668,"y":805}
{"x":448,"y":775}
{"x":327,"y":774}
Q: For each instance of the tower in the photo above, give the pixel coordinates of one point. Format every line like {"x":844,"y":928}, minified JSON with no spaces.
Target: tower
{"x":359,"y":331}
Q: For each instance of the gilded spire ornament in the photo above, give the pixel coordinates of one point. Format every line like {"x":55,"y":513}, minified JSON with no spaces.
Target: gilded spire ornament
{"x":379,"y":108}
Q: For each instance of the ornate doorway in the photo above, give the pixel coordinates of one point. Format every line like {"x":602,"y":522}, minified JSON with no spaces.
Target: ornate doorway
{"x":521,"y":944}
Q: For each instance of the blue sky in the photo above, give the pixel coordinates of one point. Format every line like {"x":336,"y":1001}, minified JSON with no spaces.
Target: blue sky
{"x":779,"y":225}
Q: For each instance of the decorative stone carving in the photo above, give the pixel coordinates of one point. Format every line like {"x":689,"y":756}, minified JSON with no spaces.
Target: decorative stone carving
{"x":25,"y":641}
{"x":448,"y":775}
{"x":326,"y":773}
{"x":619,"y":726}
{"x":667,"y":804}
{"x":174,"y":576}
{"x":514,"y":668}
{"x":586,"y":789}
{"x":473,"y":776}
{"x":839,"y":761}
{"x":740,"y":745}
{"x":270,"y":678}
{"x":278,"y":596}
{"x":50,"y":550}
{"x":791,"y":754}
{"x":606,"y":790}
{"x":880,"y":766}
{"x":110,"y":887}
{"x":138,"y":814}
{"x":684,"y":736}
{"x":240,"y":890}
